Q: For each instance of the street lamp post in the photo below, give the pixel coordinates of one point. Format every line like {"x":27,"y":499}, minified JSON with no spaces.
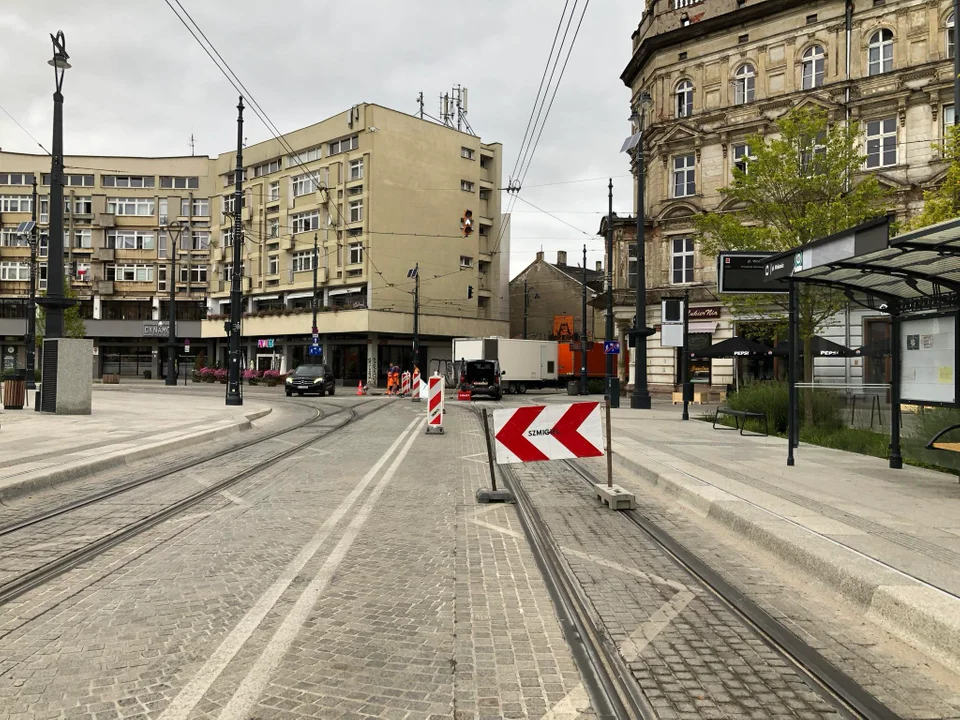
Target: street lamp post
{"x":55,"y":301}
{"x":33,"y":239}
{"x":234,"y":396}
{"x":640,"y":399}
{"x":174,"y":231}
{"x":613,"y":382}
{"x":583,"y":325}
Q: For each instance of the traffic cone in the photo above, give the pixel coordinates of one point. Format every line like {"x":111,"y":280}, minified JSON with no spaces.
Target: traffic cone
{"x":360,"y":388}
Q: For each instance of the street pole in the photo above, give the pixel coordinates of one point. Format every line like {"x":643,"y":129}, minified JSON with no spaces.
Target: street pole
{"x":55,"y":302}
{"x":233,"y":378}
{"x":416,"y":317}
{"x":613,"y":386}
{"x":316,"y":263}
{"x":526,"y":303}
{"x":32,"y":301}
{"x":583,"y":326}
{"x":956,"y":62}
{"x":685,"y":356}
{"x":640,"y":399}
{"x":171,"y":379}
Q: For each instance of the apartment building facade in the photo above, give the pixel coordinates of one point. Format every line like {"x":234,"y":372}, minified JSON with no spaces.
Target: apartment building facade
{"x":720,"y":70}
{"x":381,"y":191}
{"x":122,"y":217}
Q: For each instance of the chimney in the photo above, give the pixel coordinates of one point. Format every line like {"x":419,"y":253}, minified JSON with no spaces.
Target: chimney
{"x":540,"y":256}
{"x":599,"y":266}
{"x":561,"y":257}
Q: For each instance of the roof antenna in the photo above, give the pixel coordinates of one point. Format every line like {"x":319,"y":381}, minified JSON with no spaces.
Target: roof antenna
{"x":191,"y":145}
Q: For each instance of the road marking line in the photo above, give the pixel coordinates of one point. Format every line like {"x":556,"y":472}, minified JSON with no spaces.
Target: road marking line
{"x":259,"y":675}
{"x":184,"y":703}
{"x":629,"y":570}
{"x":236,"y":499}
{"x":505,"y":531}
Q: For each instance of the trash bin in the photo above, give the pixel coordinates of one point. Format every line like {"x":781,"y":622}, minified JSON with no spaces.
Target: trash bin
{"x":573,"y":387}
{"x":15,"y":390}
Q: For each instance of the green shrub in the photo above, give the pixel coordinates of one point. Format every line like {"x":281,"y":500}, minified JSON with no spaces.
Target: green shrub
{"x":596,"y":386}
{"x":771,"y":398}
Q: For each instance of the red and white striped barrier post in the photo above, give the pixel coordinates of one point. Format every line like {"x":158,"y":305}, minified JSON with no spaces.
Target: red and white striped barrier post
{"x":415,"y":394}
{"x":435,"y":405}
{"x":405,"y":384}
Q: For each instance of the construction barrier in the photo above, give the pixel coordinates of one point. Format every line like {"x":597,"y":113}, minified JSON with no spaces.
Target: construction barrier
{"x":415,"y":394}
{"x":405,"y":384}
{"x":435,"y":405}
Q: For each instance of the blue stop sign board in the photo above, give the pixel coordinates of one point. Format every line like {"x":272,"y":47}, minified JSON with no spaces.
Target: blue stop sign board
{"x":611,"y":347}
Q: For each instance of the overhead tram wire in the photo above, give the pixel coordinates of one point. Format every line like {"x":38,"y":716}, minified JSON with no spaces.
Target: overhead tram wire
{"x":17,"y":123}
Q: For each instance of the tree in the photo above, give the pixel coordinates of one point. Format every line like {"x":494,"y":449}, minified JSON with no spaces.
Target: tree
{"x":943,"y":203}
{"x":801,"y":184}
{"x":73,"y":324}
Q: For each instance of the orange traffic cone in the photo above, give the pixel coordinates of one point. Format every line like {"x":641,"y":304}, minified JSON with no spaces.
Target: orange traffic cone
{"x":360,"y":388}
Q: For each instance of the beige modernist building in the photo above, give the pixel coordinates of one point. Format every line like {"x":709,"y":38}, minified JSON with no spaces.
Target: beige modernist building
{"x":382,"y":192}
{"x":720,"y":70}
{"x":121,"y":216}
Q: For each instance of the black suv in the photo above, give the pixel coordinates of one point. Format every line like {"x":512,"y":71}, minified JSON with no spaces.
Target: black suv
{"x":311,"y":379}
{"x":481,"y":377}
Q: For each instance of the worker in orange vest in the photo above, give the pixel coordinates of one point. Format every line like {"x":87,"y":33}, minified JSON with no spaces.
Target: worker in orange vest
{"x":390,"y":380}
{"x":395,"y":372}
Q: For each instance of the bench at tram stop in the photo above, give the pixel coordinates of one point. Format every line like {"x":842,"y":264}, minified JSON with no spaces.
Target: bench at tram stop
{"x":938,"y":443}
{"x":740,"y":418}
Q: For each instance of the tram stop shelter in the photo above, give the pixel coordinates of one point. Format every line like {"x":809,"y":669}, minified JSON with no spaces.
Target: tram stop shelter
{"x":915,"y":279}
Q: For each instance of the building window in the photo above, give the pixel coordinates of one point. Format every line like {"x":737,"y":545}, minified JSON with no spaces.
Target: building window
{"x":304,"y":222}
{"x":744,"y":84}
{"x":81,"y":205}
{"x":131,"y":206}
{"x":882,"y":143}
{"x":681,"y":255}
{"x":178,"y":183}
{"x":466,"y":153}
{"x":273,"y":192}
{"x":304,"y":184}
{"x":130,"y":240}
{"x":951,"y":38}
{"x":229,"y":180}
{"x":273,"y":228}
{"x":10,"y":238}
{"x":356,"y":169}
{"x":129,"y":273}
{"x":465,"y":261}
{"x":273,"y":265}
{"x":228,"y":271}
{"x":198,"y":240}
{"x":356,"y":253}
{"x":14,"y":271}
{"x":194,"y":274}
{"x":302,"y":261}
{"x":201,"y":207}
{"x":266,"y":168}
{"x":632,"y":266}
{"x":16,"y":203}
{"x":340,"y":146}
{"x":356,"y":211}
{"x":812,"y":68}
{"x":466,"y":186}
{"x":229,"y":201}
{"x":16,"y":178}
{"x":303,"y":156}
{"x":684,"y":176}
{"x":130,"y":181}
{"x":684,"y":93}
{"x":81,"y":239}
{"x":947,"y":119}
{"x":484,"y":194}
{"x":70,"y":180}
{"x":813,"y":155}
{"x":880,"y":52}
{"x":742,"y":157}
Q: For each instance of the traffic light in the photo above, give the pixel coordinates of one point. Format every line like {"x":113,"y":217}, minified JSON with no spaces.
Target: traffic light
{"x":469,"y":292}
{"x":466,"y":223}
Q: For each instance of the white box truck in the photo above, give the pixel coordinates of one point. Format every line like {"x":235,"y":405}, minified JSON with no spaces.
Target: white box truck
{"x":523,"y":364}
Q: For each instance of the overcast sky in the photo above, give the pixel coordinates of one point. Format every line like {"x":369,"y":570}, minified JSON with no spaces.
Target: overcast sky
{"x":140,"y":84}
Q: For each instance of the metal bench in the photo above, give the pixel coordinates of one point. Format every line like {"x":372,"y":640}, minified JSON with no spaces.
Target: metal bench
{"x":740,"y":418}
{"x":936,"y":444}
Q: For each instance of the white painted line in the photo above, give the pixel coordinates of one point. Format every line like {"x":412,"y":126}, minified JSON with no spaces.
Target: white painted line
{"x":256,"y":681}
{"x":624,"y":569}
{"x":183,"y":705}
{"x":235,"y":499}
{"x":505,"y":531}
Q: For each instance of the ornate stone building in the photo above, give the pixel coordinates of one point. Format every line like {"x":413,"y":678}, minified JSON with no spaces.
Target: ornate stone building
{"x":718,"y":71}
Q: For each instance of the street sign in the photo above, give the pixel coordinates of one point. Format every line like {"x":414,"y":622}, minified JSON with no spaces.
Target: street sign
{"x":314,"y":350}
{"x":611,"y":347}
{"x":744,"y":272}
{"x":186,"y":345}
{"x":548,"y":432}
{"x":316,"y":339}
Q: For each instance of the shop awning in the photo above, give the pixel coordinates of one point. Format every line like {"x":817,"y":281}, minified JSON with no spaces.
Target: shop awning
{"x":258,"y":298}
{"x":702,"y":326}
{"x":301,"y":295}
{"x":347,"y":291}
{"x":735,"y":347}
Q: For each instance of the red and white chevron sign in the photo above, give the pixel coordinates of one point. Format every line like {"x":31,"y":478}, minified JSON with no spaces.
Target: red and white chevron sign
{"x":548,"y":432}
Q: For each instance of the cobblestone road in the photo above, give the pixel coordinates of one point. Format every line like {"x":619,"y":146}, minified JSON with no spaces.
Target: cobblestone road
{"x":352,"y":580}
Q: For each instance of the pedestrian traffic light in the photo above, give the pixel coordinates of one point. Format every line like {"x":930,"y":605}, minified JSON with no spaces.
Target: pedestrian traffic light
{"x":469,"y":291}
{"x":466,"y":223}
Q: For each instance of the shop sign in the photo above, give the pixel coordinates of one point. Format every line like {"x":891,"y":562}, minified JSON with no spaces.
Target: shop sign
{"x":705,"y":313}
{"x":156,"y":329}
{"x":266,"y":344}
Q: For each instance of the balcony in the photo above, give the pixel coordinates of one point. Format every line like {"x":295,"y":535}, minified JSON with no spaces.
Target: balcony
{"x":106,"y":220}
{"x":104,"y":254}
{"x":103,"y":287}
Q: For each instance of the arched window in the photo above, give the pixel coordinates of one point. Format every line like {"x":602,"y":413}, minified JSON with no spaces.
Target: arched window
{"x":880,"y":52}
{"x":812,"y":68}
{"x":684,"y":93}
{"x":744,"y":84}
{"x":951,"y":38}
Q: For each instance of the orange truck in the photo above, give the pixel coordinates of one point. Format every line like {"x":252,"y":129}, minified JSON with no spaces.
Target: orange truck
{"x":568,"y":360}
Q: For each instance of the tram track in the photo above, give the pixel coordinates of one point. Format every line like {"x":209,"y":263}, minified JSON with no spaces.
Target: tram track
{"x":40,"y":574}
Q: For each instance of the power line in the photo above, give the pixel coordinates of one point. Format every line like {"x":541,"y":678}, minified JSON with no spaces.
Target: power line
{"x":554,"y":217}
{"x":16,"y":122}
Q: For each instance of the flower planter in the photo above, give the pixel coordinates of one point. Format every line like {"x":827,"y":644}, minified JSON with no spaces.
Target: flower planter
{"x":271,"y":383}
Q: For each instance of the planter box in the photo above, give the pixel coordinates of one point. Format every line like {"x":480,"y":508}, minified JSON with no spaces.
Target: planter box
{"x":111,"y":379}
